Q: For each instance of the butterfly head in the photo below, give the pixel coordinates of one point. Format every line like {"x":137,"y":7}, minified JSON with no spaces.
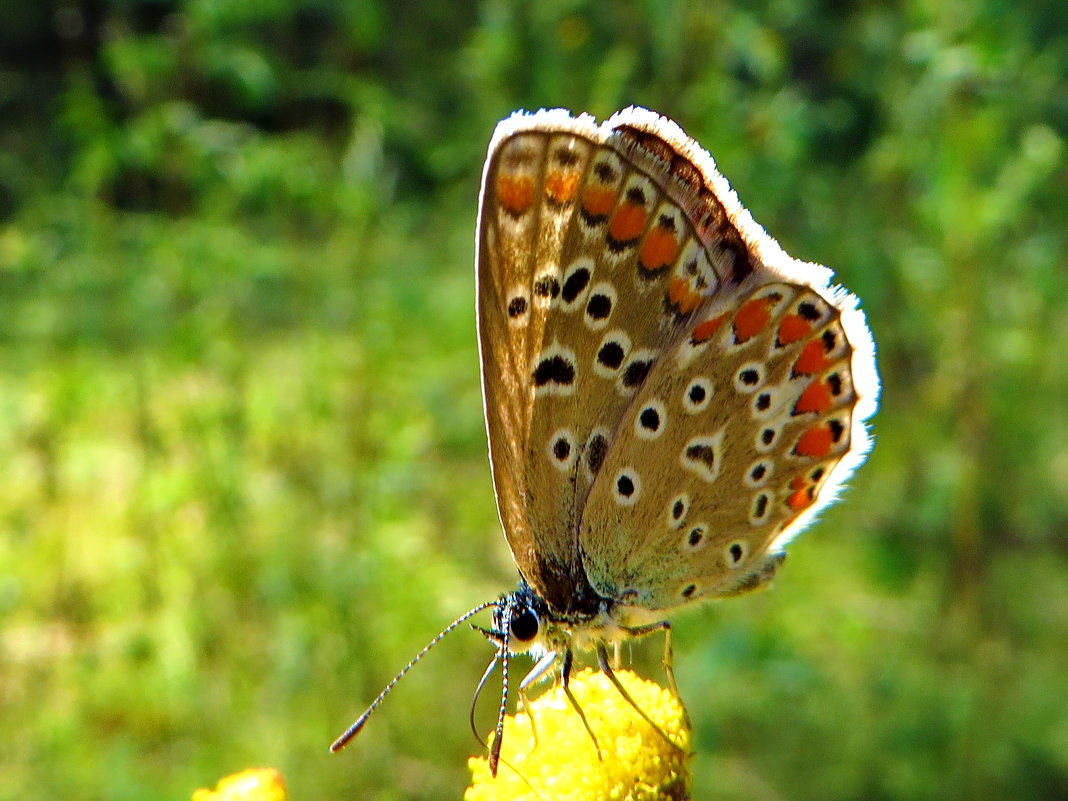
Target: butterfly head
{"x":524,"y":622}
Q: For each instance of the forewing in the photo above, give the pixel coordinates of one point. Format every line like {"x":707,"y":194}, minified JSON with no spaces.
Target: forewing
{"x":586,"y":269}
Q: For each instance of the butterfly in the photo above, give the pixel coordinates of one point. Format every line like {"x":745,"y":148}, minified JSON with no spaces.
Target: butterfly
{"x":669,"y":396}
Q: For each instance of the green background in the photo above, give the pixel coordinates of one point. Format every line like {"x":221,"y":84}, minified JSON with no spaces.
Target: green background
{"x":242,"y":458}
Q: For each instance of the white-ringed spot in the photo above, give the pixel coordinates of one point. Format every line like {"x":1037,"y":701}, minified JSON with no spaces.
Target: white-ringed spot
{"x":766,"y":437}
{"x":635,"y":371}
{"x":736,"y":553}
{"x":678,"y":508}
{"x":599,"y":305}
{"x":627,"y":487}
{"x":760,"y":509}
{"x":555,"y":371}
{"x":611,"y":353}
{"x":562,"y":449}
{"x":765,"y":403}
{"x":750,"y":377}
{"x":702,"y":455}
{"x":697,"y":395}
{"x":759,"y":472}
{"x":651,"y":420}
{"x":694,"y":538}
{"x":576,"y":282}
{"x":518,"y":307}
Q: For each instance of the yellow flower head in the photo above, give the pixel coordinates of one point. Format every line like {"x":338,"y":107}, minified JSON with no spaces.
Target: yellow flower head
{"x":254,"y":784}
{"x":636,"y":763}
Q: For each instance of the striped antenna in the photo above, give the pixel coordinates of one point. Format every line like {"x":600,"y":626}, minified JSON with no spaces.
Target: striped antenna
{"x":354,"y":729}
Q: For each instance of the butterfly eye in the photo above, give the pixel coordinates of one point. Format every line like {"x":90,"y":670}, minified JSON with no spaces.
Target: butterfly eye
{"x":524,"y":625}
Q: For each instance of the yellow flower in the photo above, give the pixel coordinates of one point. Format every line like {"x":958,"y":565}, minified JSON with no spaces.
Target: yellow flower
{"x":254,"y":784}
{"x":636,"y":763}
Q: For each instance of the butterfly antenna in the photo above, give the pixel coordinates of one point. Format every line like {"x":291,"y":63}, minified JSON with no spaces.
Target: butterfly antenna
{"x":354,"y":729}
{"x":474,"y":701}
{"x":498,"y":733}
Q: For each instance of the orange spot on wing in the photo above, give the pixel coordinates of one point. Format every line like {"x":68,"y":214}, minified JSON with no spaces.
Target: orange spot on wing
{"x":816,"y":398}
{"x":627,"y":223}
{"x":560,"y":185}
{"x":658,"y":249}
{"x":752,"y":318}
{"x":682,"y":296}
{"x":515,"y":193}
{"x":597,"y":201}
{"x":812,"y":358}
{"x":792,"y":328}
{"x":703,"y":332}
{"x":801,"y":499}
{"x":815,"y":442}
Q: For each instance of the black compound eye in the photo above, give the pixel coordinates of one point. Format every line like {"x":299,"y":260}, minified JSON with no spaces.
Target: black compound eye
{"x":524,"y":625}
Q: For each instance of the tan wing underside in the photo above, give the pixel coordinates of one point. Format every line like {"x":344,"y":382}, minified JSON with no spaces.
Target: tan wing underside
{"x":599,"y":252}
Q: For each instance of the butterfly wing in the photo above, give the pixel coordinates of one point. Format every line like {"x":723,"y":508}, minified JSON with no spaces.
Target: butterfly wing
{"x":640,"y":336}
{"x":751,"y":415}
{"x":569,"y":323}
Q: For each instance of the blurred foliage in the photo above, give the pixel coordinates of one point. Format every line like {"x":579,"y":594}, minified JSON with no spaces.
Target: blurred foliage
{"x":245,"y":474}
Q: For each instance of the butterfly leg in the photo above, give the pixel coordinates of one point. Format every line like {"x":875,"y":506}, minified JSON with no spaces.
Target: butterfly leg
{"x":669,"y":654}
{"x":535,"y":673}
{"x":478,"y":691}
{"x":602,"y":660}
{"x":565,"y":674}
